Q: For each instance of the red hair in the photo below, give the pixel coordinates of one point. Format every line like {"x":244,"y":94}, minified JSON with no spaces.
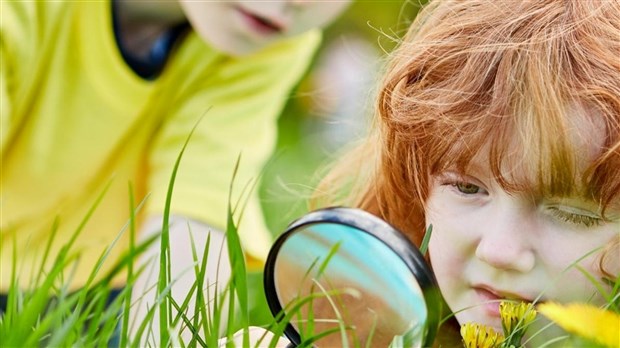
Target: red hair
{"x":497,"y":76}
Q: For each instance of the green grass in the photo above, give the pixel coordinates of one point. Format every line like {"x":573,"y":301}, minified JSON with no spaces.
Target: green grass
{"x":48,"y":314}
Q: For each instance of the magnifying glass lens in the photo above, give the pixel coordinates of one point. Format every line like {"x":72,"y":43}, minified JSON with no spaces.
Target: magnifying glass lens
{"x":347,"y":285}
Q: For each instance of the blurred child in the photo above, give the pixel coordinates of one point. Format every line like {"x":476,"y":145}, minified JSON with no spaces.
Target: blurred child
{"x":498,"y":123}
{"x":106,"y":93}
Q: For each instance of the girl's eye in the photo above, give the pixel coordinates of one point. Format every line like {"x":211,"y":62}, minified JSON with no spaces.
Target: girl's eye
{"x":574,"y":218}
{"x":463,"y":185}
{"x":467,"y":188}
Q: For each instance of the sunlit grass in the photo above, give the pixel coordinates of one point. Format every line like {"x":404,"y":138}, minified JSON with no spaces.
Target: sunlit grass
{"x":47,"y":313}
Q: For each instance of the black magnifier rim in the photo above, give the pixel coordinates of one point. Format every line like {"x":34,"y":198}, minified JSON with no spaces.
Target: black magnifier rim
{"x":379,"y":229}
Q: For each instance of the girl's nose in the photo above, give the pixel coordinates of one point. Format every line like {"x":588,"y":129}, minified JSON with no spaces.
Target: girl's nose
{"x":506,"y":243}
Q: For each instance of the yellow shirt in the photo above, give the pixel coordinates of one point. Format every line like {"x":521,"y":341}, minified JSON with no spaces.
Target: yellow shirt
{"x":75,"y":118}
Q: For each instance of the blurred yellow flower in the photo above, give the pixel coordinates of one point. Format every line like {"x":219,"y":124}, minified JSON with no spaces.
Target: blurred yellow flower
{"x":516,"y":315}
{"x":480,"y":336}
{"x":587,"y":321}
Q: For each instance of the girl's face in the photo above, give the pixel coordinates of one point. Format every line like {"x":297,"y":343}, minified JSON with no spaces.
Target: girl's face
{"x":241,"y":27}
{"x":489,"y":245}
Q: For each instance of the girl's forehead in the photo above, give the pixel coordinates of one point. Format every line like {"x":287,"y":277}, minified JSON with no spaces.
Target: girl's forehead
{"x":532,"y":163}
{"x":586,"y":131}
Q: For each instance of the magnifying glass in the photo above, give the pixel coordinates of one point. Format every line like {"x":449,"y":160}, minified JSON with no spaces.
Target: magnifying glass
{"x":342,"y":276}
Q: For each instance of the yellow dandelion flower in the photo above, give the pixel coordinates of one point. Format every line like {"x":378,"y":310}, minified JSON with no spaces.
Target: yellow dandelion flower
{"x":480,"y":336}
{"x":516,"y":315}
{"x":587,"y":321}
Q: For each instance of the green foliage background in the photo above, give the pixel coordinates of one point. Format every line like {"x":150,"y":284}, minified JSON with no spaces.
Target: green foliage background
{"x":300,"y":149}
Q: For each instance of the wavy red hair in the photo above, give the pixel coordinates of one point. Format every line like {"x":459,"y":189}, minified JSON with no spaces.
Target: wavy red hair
{"x":496,"y":76}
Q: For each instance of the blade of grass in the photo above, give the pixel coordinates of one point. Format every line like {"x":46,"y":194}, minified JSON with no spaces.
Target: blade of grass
{"x":164,"y":260}
{"x":94,"y":314}
{"x":88,"y":215}
{"x":130,"y":276}
{"x":123,"y":261}
{"x":182,"y":309}
{"x":332,"y":251}
{"x":37,"y":303}
{"x":426,"y":240}
{"x":43,"y":326}
{"x":188,"y":322}
{"x":215,"y":311}
{"x":150,"y":314}
{"x":12,"y":305}
{"x":373,"y":327}
{"x":201,"y":305}
{"x":343,"y":334}
{"x":46,"y":252}
{"x":595,"y":283}
{"x":200,"y":315}
{"x":197,"y":283}
{"x":309,"y":327}
{"x":308,"y":342}
{"x":238,"y":278}
{"x":292,"y":309}
{"x":60,"y":334}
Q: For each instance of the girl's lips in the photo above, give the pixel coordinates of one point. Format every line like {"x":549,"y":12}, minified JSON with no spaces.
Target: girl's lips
{"x":491,"y":298}
{"x":489,"y":302}
{"x":262,"y":25}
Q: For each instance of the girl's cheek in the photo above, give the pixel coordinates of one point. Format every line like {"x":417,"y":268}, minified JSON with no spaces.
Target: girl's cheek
{"x":446,"y":258}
